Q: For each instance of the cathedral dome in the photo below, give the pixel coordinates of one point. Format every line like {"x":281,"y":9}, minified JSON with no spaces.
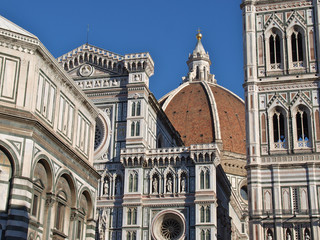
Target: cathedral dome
{"x":203,"y":111}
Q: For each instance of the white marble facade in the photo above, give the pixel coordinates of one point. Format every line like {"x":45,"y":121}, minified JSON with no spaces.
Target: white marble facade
{"x":281,"y":40}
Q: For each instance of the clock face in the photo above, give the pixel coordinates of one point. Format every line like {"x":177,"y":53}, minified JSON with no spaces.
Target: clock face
{"x":86,"y":70}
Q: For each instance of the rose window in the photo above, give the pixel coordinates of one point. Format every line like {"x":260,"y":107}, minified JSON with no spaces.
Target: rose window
{"x":170,"y":229}
{"x":168,"y":225}
{"x":99,"y":134}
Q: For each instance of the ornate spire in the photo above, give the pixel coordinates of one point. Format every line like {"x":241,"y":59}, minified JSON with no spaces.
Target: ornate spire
{"x":199,"y":63}
{"x":199,"y":47}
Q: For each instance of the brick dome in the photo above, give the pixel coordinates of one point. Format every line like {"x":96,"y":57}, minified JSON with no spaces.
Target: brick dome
{"x":204,"y":112}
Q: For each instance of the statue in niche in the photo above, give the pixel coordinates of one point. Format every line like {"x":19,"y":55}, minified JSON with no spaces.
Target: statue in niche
{"x":137,"y":78}
{"x":118,"y":187}
{"x":169,"y":185}
{"x":183,"y":184}
{"x":288,"y":237}
{"x":155,"y":185}
{"x":307,"y":237}
{"x":269,"y":236}
{"x":106,"y":187}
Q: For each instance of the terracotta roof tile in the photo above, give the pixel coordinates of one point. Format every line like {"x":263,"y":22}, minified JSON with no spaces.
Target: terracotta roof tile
{"x":190,"y":113}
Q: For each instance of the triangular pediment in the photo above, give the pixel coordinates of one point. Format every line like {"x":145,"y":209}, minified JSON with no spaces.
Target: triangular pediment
{"x":88,"y":61}
{"x":91,"y":70}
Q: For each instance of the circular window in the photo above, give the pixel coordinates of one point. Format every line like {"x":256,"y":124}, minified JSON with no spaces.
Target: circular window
{"x":244,"y":192}
{"x":102,"y":136}
{"x":99,"y":134}
{"x":168,"y":225}
{"x":170,"y":229}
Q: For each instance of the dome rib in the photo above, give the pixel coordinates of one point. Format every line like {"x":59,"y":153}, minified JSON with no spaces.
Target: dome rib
{"x":203,"y":113}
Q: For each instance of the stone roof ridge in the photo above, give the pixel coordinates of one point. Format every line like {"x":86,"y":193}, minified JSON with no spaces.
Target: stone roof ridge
{"x":10,"y":29}
{"x":90,"y":48}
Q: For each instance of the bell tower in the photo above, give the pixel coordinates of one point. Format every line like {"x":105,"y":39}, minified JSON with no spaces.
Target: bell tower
{"x":281,"y":50}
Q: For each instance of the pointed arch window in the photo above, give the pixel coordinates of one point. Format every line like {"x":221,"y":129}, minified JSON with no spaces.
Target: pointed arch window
{"x":278,"y":127}
{"x":130,"y":182}
{"x":202,"y":213}
{"x":138,"y":129}
{"x":275,"y":48}
{"x":208,"y":235}
{"x":208,"y":214}
{"x":136,"y":109}
{"x":207,"y":179}
{"x":296,"y":47}
{"x":133,"y":126}
{"x":302,"y":128}
{"x":135,"y":183}
{"x":132,"y":216}
{"x":203,"y":235}
{"x":202,"y":180}
{"x":133,"y":110}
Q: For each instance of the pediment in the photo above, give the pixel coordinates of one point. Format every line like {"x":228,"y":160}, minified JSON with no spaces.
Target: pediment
{"x":86,"y":70}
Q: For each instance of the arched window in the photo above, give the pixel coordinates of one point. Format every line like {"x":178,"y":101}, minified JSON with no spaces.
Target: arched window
{"x":275,"y":48}
{"x":296,"y":46}
{"x":197,"y":73}
{"x":203,"y":235}
{"x":202,"y":213}
{"x":134,"y":216}
{"x":133,"y":126}
{"x":207,"y":179}
{"x":138,"y":129}
{"x":208,"y":214}
{"x":278,"y":127}
{"x":302,"y":126}
{"x":130,"y":183}
{"x":133,"y":109}
{"x":135,"y":183}
{"x":208,"y":235}
{"x":202,"y":180}
{"x":129,"y":216}
{"x":84,"y":210}
{"x":6,"y":174}
{"x":138,"y":108}
{"x":64,"y":203}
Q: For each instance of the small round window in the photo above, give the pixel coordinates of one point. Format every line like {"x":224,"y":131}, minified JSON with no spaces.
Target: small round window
{"x":244,"y":192}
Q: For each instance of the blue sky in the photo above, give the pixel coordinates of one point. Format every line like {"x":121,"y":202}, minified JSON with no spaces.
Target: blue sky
{"x":164,"y":28}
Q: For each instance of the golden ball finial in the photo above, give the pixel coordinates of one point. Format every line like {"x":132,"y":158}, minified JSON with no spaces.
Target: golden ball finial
{"x":199,"y":35}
